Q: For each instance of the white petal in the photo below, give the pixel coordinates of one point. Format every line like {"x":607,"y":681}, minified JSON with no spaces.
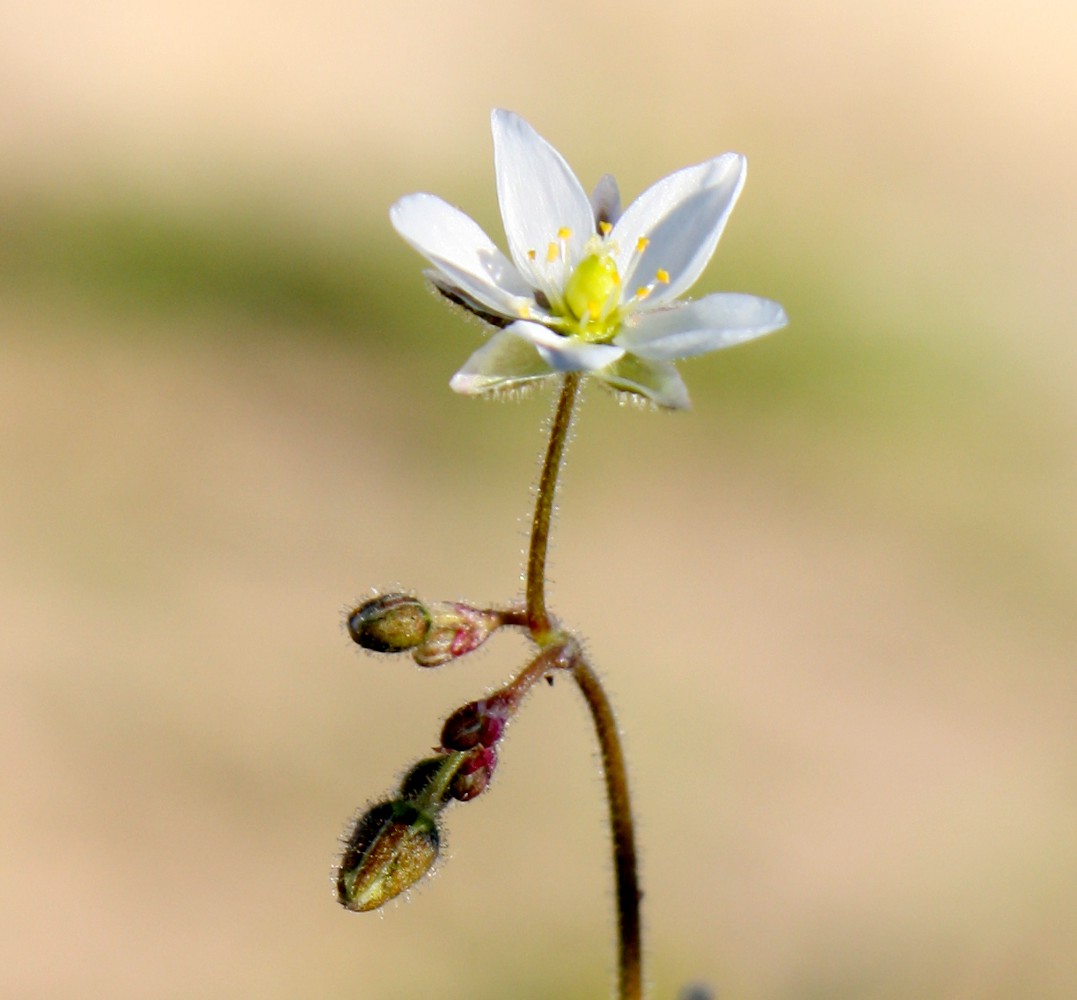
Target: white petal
{"x":460,"y":250}
{"x":566,"y":354}
{"x":539,"y":197}
{"x":502,"y":362}
{"x":657,"y":381}
{"x":708,"y":324}
{"x":681,"y":217}
{"x":524,"y":352}
{"x":458,"y":296}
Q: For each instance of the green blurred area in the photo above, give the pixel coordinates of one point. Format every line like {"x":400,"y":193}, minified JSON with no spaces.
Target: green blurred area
{"x":901,"y":386}
{"x":141,"y":258}
{"x":261,"y":268}
{"x":834,"y":603}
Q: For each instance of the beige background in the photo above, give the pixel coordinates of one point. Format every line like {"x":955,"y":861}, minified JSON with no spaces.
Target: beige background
{"x":834,"y":604}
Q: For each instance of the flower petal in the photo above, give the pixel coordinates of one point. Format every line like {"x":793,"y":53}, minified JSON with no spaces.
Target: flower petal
{"x":657,"y":381}
{"x":708,"y":324}
{"x":504,"y":361}
{"x":540,"y":197}
{"x":566,"y":354}
{"x":459,"y":297}
{"x":462,"y":252}
{"x":680,"y":218}
{"x":524,"y":352}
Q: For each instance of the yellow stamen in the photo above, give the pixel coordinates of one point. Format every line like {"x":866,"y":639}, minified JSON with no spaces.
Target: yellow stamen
{"x":643,"y":291}
{"x":531,"y":255}
{"x":604,"y":227}
{"x":552,"y":253}
{"x":563,"y":233}
{"x":642,"y":243}
{"x":661,"y":276}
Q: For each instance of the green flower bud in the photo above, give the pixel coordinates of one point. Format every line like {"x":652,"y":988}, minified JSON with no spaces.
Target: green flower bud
{"x":390,"y":848}
{"x":421,"y":776}
{"x":389,"y":623}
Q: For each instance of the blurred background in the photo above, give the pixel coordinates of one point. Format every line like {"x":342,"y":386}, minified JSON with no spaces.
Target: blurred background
{"x":834,"y":604}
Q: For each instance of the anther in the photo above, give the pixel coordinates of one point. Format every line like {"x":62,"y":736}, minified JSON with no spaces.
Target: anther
{"x":661,"y":276}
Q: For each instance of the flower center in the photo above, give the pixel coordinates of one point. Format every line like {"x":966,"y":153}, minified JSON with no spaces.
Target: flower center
{"x":592,"y":294}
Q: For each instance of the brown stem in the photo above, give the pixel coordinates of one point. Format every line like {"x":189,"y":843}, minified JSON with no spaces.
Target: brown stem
{"x":625,"y":863}
{"x":538,"y":618}
{"x":629,"y":957}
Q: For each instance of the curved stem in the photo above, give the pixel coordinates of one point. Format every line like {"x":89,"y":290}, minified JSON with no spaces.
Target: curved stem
{"x":538,"y":618}
{"x":625,"y":864}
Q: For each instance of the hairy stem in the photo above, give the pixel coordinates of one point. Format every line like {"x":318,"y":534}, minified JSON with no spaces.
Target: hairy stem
{"x":538,"y":618}
{"x":629,"y":957}
{"x":625,"y":864}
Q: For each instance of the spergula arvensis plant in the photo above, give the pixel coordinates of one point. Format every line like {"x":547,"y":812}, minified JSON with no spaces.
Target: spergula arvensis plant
{"x":588,"y":291}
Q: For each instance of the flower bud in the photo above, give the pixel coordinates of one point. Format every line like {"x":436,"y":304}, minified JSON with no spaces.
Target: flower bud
{"x":420,"y":777}
{"x":478,"y":723}
{"x":389,"y":623}
{"x":455,"y":630}
{"x":390,"y":848}
{"x":474,"y":774}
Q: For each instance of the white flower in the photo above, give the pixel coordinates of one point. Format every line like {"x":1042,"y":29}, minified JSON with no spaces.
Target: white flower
{"x":588,"y":289}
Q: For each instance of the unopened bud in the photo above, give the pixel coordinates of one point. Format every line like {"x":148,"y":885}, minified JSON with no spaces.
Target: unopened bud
{"x":455,"y":630}
{"x":474,"y":773}
{"x":478,"y":723}
{"x":420,"y":777}
{"x":390,"y":848}
{"x":390,"y":623}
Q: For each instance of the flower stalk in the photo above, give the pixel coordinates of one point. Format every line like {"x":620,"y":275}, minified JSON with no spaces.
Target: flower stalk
{"x":538,"y":618}
{"x":614,"y":768}
{"x":622,"y":830}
